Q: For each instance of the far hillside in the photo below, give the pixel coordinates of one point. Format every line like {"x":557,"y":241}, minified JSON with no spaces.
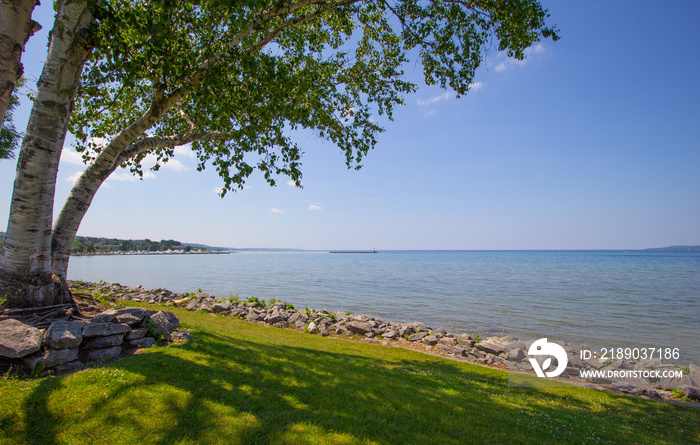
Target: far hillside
{"x":90,"y":244}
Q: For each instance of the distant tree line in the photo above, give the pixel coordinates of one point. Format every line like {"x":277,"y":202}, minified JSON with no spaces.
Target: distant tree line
{"x":89,"y":244}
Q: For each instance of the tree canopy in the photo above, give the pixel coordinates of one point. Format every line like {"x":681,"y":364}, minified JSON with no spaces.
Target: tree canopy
{"x":234,"y":78}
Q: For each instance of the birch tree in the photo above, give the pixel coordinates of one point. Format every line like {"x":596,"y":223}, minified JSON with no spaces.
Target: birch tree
{"x":234,"y":79}
{"x":16,"y":26}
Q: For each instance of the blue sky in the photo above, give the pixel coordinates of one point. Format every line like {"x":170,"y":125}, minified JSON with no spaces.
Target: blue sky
{"x":592,"y":143}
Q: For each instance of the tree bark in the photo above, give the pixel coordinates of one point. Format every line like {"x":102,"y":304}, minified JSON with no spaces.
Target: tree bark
{"x":25,"y":260}
{"x":16,"y":26}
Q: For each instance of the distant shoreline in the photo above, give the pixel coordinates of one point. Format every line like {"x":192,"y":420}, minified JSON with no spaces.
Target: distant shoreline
{"x":169,"y":252}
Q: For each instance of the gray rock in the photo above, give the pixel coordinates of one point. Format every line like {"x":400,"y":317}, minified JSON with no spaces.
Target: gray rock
{"x":419,"y":327}
{"x":193,"y":306}
{"x":313,"y":328}
{"x":104,"y":329}
{"x":181,"y":335}
{"x":99,"y":355}
{"x":298,"y":316}
{"x":136,"y":333}
{"x":389,"y":335}
{"x":64,"y":334}
{"x":52,"y":357}
{"x":440,"y":332}
{"x":516,"y":354}
{"x":108,"y":316}
{"x":142,"y":343}
{"x":359,"y":327}
{"x":653,"y":394}
{"x":18,"y":339}
{"x":691,"y":392}
{"x":104,"y":342}
{"x":493,"y":345}
{"x":69,"y":367}
{"x":448,"y":341}
{"x":220,"y":308}
{"x":252,"y":317}
{"x":418,"y":337}
{"x":430,"y":340}
{"x":167,"y":320}
{"x":274,"y":317}
{"x":405,"y":330}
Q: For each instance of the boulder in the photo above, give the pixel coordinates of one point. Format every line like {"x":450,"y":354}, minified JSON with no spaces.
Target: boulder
{"x":107,"y":316}
{"x":64,"y":334}
{"x":313,"y":328}
{"x":419,"y":327}
{"x":193,"y":306}
{"x":221,"y":307}
{"x":274,"y":317}
{"x":181,"y":335}
{"x":440,"y":332}
{"x":448,"y":341}
{"x":52,"y":357}
{"x":18,"y":339}
{"x":430,"y":340}
{"x":104,"y":329}
{"x":132,"y":315}
{"x":99,"y":355}
{"x":389,"y":335}
{"x":142,"y":343}
{"x":136,"y":333}
{"x":360,"y":327}
{"x":167,"y":320}
{"x":418,"y":337}
{"x":298,"y":316}
{"x":493,"y":345}
{"x":104,"y":342}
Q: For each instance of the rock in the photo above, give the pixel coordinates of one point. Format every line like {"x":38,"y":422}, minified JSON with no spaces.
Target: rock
{"x":448,"y":341}
{"x":430,"y":340}
{"x":653,"y":394}
{"x":516,"y":354}
{"x":405,"y":330}
{"x":252,"y":317}
{"x":167,"y":320}
{"x":181,"y":336}
{"x":107,"y":316}
{"x":419,"y":327}
{"x":695,"y":374}
{"x":104,"y":342}
{"x":69,"y":367}
{"x":691,"y":392}
{"x":99,"y":355}
{"x":52,"y":357}
{"x":418,"y":337}
{"x":181,"y":301}
{"x":136,"y":333}
{"x":132,"y":315}
{"x":359,"y":327}
{"x":222,"y":307}
{"x":313,"y":328}
{"x":18,"y":339}
{"x":298,"y":316}
{"x":440,"y":332}
{"x":389,"y":335}
{"x":274,"y":317}
{"x":142,"y":343}
{"x":64,"y":334}
{"x":104,"y":329}
{"x":193,"y":306}
{"x":493,"y":345}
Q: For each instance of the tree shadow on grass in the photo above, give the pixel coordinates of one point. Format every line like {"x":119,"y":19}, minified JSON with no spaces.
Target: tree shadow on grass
{"x":224,"y":389}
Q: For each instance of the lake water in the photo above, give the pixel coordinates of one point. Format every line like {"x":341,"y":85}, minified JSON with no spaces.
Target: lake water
{"x":597,"y":298}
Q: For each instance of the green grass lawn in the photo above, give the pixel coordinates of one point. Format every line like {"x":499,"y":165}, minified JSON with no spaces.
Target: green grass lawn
{"x":243,"y":383}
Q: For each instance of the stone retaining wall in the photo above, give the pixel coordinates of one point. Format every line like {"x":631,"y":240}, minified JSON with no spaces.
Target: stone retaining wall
{"x":68,"y":345}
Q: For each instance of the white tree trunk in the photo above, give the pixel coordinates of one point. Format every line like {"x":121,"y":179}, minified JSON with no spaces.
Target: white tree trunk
{"x":16,"y":26}
{"x":26,"y":256}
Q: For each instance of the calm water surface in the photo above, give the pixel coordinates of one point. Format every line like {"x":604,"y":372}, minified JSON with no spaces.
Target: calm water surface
{"x":597,"y":298}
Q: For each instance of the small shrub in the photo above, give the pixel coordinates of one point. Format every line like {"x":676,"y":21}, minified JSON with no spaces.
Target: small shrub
{"x":679,"y":394}
{"x":348,"y":313}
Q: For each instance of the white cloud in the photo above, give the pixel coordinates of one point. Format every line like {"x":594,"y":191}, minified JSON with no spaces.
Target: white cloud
{"x":503,"y":62}
{"x":475,"y":86}
{"x":175,"y":165}
{"x":276,"y":210}
{"x":315,"y":207}
{"x":290,"y":183}
{"x":185,"y":150}
{"x":70,"y":156}
{"x":435,"y":99}
{"x":74,"y":177}
{"x":217,"y":190}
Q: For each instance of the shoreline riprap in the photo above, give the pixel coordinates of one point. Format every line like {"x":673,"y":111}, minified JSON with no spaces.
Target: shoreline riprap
{"x":507,"y":353}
